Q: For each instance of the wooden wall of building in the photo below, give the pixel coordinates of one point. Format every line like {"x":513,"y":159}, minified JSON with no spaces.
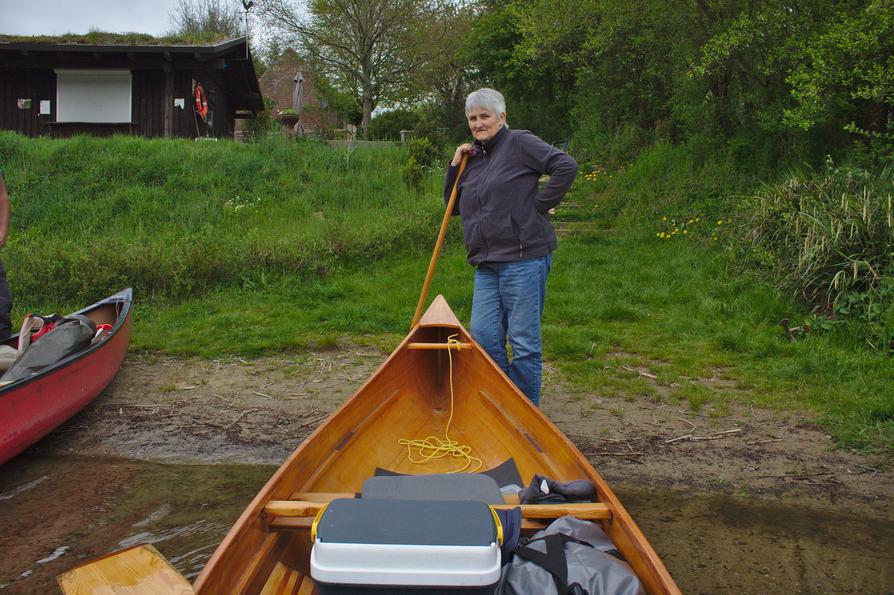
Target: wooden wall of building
{"x":147,"y":107}
{"x":33,"y":84}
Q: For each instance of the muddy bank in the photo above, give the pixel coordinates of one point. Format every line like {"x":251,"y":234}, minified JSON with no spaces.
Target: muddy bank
{"x":257,"y":412}
{"x":749,"y":500}
{"x":199,"y":411}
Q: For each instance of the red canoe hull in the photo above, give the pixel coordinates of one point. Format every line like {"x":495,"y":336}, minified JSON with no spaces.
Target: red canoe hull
{"x":32,"y":408}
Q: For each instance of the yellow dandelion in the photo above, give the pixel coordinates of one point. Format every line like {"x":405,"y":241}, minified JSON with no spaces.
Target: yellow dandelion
{"x":720,"y":222}
{"x":664,"y":218}
{"x":685,"y":231}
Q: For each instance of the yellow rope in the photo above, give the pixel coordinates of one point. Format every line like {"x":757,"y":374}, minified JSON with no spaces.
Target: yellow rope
{"x":435,"y":448}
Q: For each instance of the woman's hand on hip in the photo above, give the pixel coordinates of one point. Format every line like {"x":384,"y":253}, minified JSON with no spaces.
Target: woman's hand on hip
{"x":465,"y":148}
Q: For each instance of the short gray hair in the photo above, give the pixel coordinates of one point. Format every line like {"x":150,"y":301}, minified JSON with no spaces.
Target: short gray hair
{"x":488,"y":99}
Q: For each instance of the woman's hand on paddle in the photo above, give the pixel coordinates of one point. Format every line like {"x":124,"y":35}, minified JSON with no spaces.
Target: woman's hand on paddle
{"x":465,"y":148}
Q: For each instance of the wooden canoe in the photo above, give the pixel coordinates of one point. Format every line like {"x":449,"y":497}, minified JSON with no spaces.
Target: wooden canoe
{"x":409,"y":397}
{"x":30,"y":408}
{"x":268,"y":549}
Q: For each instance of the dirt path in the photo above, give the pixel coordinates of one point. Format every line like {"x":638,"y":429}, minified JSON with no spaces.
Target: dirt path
{"x":744,"y":500}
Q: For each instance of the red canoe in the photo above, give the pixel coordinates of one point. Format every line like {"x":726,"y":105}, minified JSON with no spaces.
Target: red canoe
{"x":32,"y":407}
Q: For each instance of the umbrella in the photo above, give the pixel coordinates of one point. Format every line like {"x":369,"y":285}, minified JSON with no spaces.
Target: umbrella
{"x":297,"y":94}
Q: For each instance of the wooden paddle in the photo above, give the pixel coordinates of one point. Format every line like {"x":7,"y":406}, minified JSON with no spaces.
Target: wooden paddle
{"x":139,"y":570}
{"x":439,"y":243}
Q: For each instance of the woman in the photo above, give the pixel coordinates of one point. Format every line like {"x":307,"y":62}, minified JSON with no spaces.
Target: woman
{"x":507,"y":231}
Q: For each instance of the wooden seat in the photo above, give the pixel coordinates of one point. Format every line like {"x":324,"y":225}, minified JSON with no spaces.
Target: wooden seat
{"x":284,"y":580}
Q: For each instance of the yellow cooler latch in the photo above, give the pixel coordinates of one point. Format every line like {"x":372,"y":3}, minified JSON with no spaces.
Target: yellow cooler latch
{"x":317,"y":517}
{"x":497,"y":523}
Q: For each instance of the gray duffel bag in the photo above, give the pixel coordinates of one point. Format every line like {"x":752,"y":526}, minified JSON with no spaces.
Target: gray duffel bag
{"x":71,"y":335}
{"x":570,"y":557}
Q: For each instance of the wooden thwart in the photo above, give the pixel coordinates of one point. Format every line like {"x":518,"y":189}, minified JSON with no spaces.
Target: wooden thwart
{"x":591,"y":511}
{"x":454,"y":346}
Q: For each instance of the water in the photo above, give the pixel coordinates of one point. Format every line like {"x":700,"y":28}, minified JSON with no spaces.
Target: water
{"x":83,"y":508}
{"x":61,"y":512}
{"x":739,"y":544}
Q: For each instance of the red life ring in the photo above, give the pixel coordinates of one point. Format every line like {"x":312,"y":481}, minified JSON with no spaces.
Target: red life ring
{"x":201,"y":101}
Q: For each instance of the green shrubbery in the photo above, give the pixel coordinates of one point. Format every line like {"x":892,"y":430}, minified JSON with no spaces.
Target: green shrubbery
{"x":422,"y":159}
{"x":263,"y":124}
{"x":828,"y":237}
{"x":176,"y":218}
{"x":387,"y":126}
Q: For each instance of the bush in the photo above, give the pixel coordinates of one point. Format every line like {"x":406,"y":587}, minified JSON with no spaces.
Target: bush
{"x":387,"y":126}
{"x":263,"y":123}
{"x":422,"y":155}
{"x":828,"y":238}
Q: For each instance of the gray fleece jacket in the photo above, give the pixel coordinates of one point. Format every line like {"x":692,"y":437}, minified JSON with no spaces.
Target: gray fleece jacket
{"x":504,"y":213}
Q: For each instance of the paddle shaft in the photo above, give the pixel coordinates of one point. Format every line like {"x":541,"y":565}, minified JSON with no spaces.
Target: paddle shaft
{"x":437,"y":252}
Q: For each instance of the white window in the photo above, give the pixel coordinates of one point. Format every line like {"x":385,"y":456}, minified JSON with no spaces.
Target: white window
{"x":93,"y":95}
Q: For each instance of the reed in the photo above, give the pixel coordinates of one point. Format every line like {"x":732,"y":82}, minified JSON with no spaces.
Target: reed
{"x":828,"y":238}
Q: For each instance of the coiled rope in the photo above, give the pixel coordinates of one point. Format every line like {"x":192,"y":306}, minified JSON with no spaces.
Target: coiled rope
{"x":435,"y":448}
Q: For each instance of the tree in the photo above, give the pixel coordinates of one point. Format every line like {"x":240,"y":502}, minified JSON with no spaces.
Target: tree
{"x":451,"y":75}
{"x":846,"y":78}
{"x":373,"y":49}
{"x":206,"y":20}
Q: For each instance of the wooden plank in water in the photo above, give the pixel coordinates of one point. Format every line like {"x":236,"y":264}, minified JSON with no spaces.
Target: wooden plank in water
{"x":139,"y":570}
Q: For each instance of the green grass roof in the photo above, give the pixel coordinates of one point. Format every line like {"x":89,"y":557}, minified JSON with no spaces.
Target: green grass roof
{"x":105,"y":38}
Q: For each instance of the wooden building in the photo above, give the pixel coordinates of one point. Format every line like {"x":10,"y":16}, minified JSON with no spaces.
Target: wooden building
{"x":61,"y":89}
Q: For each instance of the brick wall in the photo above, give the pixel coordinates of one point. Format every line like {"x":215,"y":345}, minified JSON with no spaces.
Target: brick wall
{"x":278,"y":82}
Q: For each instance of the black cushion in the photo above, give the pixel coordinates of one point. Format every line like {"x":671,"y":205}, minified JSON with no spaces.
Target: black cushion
{"x":439,"y":486}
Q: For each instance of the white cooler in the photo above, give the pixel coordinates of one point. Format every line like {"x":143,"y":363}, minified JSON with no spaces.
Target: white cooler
{"x":409,"y":547}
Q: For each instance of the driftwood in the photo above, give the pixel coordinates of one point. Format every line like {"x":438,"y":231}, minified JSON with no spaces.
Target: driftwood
{"x":715,"y":436}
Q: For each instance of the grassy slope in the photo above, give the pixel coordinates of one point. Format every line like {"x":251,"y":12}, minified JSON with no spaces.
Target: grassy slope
{"x":178,"y":218}
{"x":335,"y":270}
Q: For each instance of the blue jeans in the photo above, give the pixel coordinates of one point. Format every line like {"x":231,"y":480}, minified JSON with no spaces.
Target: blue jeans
{"x":508,"y":301}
